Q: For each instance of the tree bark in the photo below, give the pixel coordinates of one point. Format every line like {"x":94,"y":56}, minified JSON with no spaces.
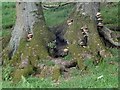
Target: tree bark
{"x":24,"y":55}
{"x":107,"y":34}
{"x":24,"y":23}
{"x":85,"y":16}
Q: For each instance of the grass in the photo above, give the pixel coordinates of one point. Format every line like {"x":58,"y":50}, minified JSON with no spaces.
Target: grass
{"x":110,"y":14}
{"x":89,"y":79}
{"x":68,"y":57}
{"x":8,"y":18}
{"x":8,"y":14}
{"x":8,"y":21}
{"x":78,"y":79}
{"x":56,"y":16}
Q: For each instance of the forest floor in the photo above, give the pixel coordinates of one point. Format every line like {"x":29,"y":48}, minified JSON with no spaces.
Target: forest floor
{"x":104,"y":75}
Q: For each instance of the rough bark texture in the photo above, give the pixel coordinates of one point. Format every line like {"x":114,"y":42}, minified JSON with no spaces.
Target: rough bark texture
{"x":109,"y":36}
{"x":74,"y":36}
{"x":27,"y":54}
{"x":88,"y":8}
{"x":24,"y":23}
{"x":84,"y":15}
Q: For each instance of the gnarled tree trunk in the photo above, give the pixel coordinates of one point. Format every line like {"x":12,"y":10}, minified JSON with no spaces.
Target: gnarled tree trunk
{"x":95,"y":48}
{"x":25,"y":55}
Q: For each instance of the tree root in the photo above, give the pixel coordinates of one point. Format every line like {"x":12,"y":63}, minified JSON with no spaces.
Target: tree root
{"x":65,"y":64}
{"x":46,"y":7}
{"x":107,"y":34}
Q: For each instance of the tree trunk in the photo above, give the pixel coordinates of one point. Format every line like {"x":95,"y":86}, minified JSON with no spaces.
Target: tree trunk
{"x":94,"y":48}
{"x":25,"y":55}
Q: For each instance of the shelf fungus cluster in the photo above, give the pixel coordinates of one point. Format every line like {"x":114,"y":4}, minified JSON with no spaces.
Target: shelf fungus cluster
{"x":99,"y":21}
{"x":105,"y":32}
{"x":69,"y":22}
{"x":29,"y":36}
{"x":84,"y":41}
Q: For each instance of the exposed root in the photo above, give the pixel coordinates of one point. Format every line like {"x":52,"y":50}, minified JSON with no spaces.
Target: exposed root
{"x":107,"y":36}
{"x":105,"y":32}
{"x":63,"y":63}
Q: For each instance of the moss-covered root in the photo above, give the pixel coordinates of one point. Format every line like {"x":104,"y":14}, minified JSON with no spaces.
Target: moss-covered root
{"x":45,"y":71}
{"x":18,"y":73}
{"x":56,"y":73}
{"x":51,"y":71}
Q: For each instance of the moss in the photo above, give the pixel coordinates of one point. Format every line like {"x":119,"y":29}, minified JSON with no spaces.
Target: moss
{"x":34,"y":51}
{"x":74,"y":34}
{"x":22,"y":72}
{"x":56,"y":73}
{"x":5,"y":56}
{"x":44,"y":72}
{"x":68,"y":57}
{"x":49,"y":63}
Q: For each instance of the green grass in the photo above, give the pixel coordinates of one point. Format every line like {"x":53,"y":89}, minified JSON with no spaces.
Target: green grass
{"x":8,"y":14}
{"x":110,"y":14}
{"x":8,"y":17}
{"x":68,"y":57}
{"x":78,"y":79}
{"x":8,"y":21}
{"x":57,"y":16}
